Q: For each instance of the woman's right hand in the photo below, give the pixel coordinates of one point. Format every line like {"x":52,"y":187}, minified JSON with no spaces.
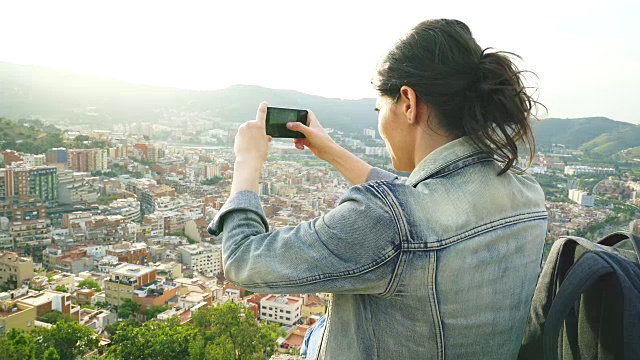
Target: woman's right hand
{"x":317,"y":139}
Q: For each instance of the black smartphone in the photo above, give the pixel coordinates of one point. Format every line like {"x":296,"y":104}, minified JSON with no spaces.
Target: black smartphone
{"x":277,"y":119}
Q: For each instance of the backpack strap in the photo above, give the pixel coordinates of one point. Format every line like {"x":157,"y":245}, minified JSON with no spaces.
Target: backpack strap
{"x":616,"y":237}
{"x":582,"y":275}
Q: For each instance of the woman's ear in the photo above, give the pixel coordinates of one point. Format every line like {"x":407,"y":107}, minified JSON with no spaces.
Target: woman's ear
{"x":409,"y":102}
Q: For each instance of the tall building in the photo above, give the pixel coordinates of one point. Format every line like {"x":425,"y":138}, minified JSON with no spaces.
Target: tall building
{"x":88,"y":160}
{"x":22,"y":180}
{"x":43,"y":183}
{"x":57,"y":155}
{"x":15,"y":270}
{"x":125,"y":279}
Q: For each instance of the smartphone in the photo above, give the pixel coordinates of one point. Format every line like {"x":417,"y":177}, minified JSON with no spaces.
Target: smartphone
{"x":277,"y":119}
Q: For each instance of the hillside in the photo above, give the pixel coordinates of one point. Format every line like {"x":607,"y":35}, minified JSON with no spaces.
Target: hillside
{"x":74,"y":100}
{"x":51,"y":94}
{"x":573,"y":133}
{"x":30,"y":136}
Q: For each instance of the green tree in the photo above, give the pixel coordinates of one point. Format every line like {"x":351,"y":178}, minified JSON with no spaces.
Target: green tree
{"x":101,"y":304}
{"x":69,"y":339}
{"x":51,"y":354}
{"x":112,"y":329}
{"x":54,"y":316}
{"x":18,"y":345}
{"x":212,"y":181}
{"x":230,"y":331}
{"x":127,"y":308}
{"x":162,"y":340}
{"x":153,"y":311}
{"x":89,"y":284}
{"x":61,"y":288}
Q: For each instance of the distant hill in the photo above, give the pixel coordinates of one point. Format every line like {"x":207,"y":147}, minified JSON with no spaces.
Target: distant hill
{"x":49,"y":94}
{"x":598,"y":134}
{"x":37,"y":92}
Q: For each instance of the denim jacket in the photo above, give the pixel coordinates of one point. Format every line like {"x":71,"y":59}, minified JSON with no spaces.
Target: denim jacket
{"x":441,"y":266}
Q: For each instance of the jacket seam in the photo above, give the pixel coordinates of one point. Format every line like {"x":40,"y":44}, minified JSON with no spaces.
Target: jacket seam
{"x":403,"y":233}
{"x":435,"y":309}
{"x":444,"y":166}
{"x":477,"y":230}
{"x":436,"y":176}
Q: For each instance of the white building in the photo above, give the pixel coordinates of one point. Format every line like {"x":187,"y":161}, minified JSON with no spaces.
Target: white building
{"x":581,"y":197}
{"x":204,"y":258}
{"x":580,"y":170}
{"x":128,"y":208}
{"x":282,"y":309}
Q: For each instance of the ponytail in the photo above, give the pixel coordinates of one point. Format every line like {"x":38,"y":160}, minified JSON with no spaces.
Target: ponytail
{"x":472,"y":92}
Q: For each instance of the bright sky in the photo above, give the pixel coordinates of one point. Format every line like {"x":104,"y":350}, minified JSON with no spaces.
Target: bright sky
{"x":586,"y":53}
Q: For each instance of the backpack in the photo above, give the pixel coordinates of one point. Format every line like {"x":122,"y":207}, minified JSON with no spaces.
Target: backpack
{"x":587,"y":302}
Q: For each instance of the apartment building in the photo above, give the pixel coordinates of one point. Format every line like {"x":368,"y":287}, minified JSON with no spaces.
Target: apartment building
{"x":125,"y":280}
{"x":77,"y":188}
{"x":282,"y":309}
{"x":14,"y":315}
{"x":30,"y":233}
{"x":203,"y":258}
{"x":21,"y":180}
{"x":128,"y":208}
{"x":22,"y":208}
{"x":88,"y":160}
{"x":49,"y":300}
{"x":15,"y":271}
{"x":132,"y":253}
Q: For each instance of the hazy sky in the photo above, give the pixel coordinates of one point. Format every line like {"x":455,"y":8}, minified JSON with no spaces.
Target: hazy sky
{"x":586,"y":53}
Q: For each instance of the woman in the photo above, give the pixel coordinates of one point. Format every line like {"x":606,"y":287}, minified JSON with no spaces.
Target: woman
{"x":441,"y":266}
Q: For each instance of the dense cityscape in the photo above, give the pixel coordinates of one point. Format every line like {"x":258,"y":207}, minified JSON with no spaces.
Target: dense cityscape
{"x":109,"y":233}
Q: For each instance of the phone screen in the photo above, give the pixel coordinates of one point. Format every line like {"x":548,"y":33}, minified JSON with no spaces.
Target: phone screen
{"x":277,"y":119}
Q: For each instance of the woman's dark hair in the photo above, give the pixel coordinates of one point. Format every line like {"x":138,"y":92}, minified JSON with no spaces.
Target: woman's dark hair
{"x":472,"y":92}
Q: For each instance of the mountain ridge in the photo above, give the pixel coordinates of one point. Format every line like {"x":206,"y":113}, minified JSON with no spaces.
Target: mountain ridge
{"x":31,"y":91}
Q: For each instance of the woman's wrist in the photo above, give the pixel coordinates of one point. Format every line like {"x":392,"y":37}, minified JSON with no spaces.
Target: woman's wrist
{"x":246,"y":175}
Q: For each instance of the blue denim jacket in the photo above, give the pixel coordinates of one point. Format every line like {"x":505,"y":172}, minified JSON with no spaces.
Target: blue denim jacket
{"x":442,"y":266}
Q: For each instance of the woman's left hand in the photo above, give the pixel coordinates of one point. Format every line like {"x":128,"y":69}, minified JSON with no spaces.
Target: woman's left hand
{"x":252,"y":142}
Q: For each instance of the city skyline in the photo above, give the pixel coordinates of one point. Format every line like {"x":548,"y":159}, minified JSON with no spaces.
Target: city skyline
{"x":582,"y":52}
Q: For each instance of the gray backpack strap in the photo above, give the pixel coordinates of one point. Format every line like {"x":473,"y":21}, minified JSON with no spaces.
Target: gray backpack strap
{"x":582,"y":275}
{"x":616,"y":237}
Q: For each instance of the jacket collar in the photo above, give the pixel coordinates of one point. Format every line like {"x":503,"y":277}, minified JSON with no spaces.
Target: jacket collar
{"x":447,"y":157}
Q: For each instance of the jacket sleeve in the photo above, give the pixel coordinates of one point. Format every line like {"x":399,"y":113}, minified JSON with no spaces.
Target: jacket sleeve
{"x":352,"y":249}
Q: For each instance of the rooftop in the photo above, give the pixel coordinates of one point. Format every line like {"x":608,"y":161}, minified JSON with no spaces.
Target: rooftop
{"x":131,"y":270}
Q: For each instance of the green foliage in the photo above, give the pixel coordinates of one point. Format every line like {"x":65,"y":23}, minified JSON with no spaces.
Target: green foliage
{"x":51,"y":354}
{"x":214,"y":180}
{"x":61,"y":288}
{"x":575,"y":132}
{"x":127,"y":308}
{"x":101,"y":304}
{"x":230,"y":331}
{"x":112,"y":329}
{"x":89,"y":284}
{"x":153,"y":311}
{"x":166,"y":340}
{"x":17,"y":345}
{"x":30,"y":136}
{"x":55,"y":316}
{"x":69,"y":339}
{"x":227,"y":331}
